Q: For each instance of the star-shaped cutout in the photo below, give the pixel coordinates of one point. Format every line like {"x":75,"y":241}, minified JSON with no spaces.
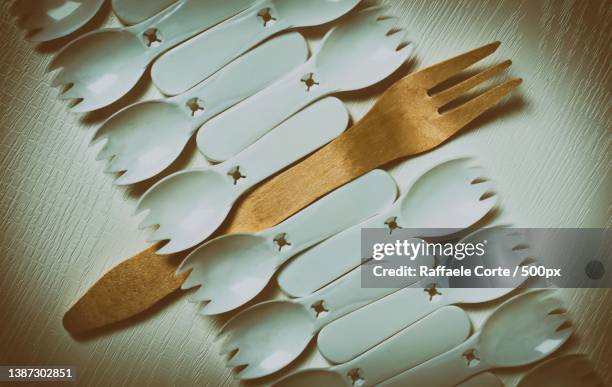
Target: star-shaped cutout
{"x":151,"y":37}
{"x":281,"y":241}
{"x":236,"y":174}
{"x":392,"y":224}
{"x":432,"y":291}
{"x":471,"y":356}
{"x":309,"y":81}
{"x":319,"y":308}
{"x":195,"y":105}
{"x":266,"y":15}
{"x":355,"y":377}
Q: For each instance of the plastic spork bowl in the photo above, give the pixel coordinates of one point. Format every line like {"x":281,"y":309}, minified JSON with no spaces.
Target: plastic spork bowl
{"x":523,"y":330}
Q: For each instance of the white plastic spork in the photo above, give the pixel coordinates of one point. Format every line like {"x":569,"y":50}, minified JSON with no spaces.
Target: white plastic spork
{"x":100,"y":67}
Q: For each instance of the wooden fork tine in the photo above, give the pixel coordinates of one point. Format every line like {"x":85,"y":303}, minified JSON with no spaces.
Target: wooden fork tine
{"x":442,"y":71}
{"x":465,"y":113}
{"x":460,"y":89}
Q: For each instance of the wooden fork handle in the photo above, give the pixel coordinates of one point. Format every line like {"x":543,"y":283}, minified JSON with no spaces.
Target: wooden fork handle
{"x":129,"y":288}
{"x":354,"y":153}
{"x":141,"y":281}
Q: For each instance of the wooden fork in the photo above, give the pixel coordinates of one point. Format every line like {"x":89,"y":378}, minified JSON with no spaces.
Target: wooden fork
{"x":404,"y":122}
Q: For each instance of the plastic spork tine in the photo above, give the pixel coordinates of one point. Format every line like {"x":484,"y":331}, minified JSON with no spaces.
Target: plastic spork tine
{"x":47,"y":20}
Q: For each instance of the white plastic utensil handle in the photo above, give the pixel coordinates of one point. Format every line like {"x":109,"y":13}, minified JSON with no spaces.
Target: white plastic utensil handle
{"x":185,"y":19}
{"x":347,"y":294}
{"x":238,"y":127}
{"x":485,"y":379}
{"x":205,"y":54}
{"x":342,"y":297}
{"x":338,"y":255}
{"x":347,"y":205}
{"x":445,"y":370}
{"x":400,"y":309}
{"x":236,"y":82}
{"x":305,"y":132}
{"x":135,"y":11}
{"x":435,"y":334}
